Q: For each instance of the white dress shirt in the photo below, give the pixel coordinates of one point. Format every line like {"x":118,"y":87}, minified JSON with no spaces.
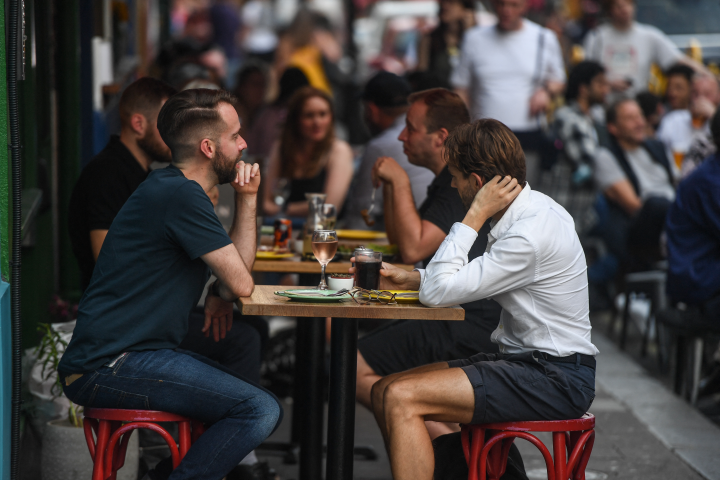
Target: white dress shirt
{"x":534,"y":267}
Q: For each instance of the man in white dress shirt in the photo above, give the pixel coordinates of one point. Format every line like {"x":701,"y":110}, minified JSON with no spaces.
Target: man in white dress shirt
{"x":534,"y":267}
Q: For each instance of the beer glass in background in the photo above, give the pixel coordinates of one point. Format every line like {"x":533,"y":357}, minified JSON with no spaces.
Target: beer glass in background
{"x":367,"y":269}
{"x":678,"y":157}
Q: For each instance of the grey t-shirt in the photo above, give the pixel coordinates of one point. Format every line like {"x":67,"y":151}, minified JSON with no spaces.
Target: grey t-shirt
{"x":652,"y":177}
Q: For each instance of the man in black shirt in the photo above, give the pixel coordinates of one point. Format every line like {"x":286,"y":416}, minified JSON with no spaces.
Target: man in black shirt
{"x":114,"y":174}
{"x":433,"y":114}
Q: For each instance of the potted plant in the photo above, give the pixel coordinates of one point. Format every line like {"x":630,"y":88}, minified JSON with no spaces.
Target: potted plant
{"x":65,"y":454}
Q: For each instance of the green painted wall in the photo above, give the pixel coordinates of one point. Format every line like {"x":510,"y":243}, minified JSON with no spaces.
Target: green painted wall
{"x":35,"y":130}
{"x":4,"y":159}
{"x":69,"y":135}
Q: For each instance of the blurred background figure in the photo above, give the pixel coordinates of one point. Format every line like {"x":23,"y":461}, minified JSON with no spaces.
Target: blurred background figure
{"x":653,"y":111}
{"x":687,"y":133}
{"x":251,"y":91}
{"x":266,"y":128}
{"x":303,"y":47}
{"x":580,"y":134}
{"x":308,"y":158}
{"x":224,"y":16}
{"x":628,"y":49}
{"x":511,"y":72}
{"x":636,"y":177}
{"x":385,"y":100}
{"x":679,"y":87}
{"x":439,"y":50}
{"x":679,"y":128}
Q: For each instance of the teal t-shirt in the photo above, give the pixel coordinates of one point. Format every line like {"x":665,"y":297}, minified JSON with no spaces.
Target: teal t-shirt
{"x":148,"y":275}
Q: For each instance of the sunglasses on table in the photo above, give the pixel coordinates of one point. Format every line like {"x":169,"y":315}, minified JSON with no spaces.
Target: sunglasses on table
{"x":365,"y":297}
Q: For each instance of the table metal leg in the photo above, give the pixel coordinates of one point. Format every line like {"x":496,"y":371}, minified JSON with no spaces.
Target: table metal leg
{"x":341,"y":415}
{"x":308,"y":410}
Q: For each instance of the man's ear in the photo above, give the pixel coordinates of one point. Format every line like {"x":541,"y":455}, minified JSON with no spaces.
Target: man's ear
{"x":207,"y":147}
{"x":478,"y":180}
{"x":583,"y":90}
{"x":441,"y":136}
{"x":612,"y":129}
{"x":139,"y":124}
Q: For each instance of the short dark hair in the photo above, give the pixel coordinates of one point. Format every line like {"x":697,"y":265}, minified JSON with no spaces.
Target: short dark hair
{"x":486,"y":147}
{"x":612,"y":111}
{"x":608,"y":4}
{"x":445,"y":109}
{"x":249,"y":70}
{"x":648,"y":102}
{"x":191,"y":112}
{"x":144,"y":96}
{"x":582,"y":74}
{"x":682,"y":70}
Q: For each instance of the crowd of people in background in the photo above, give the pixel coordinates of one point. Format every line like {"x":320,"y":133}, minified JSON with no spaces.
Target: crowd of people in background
{"x":576,"y":94}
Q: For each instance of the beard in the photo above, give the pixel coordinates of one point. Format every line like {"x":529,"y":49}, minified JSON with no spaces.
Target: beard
{"x":224,"y":168}
{"x":156,"y":150}
{"x":467,"y":195}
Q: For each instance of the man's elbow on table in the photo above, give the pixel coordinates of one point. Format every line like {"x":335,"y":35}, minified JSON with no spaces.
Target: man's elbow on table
{"x":431,"y":297}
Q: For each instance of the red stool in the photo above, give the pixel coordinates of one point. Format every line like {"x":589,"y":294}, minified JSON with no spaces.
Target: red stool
{"x":488,"y":459}
{"x":111,"y":426}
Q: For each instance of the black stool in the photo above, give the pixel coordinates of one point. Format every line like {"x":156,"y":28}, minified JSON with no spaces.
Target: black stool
{"x":690,"y":328}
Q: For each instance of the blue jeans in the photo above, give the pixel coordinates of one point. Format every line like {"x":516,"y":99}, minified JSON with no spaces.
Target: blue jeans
{"x":240,"y":414}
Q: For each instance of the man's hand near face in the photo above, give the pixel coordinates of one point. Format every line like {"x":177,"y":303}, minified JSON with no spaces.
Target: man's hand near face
{"x":387,"y":170}
{"x":491,"y":199}
{"x":247,"y":181}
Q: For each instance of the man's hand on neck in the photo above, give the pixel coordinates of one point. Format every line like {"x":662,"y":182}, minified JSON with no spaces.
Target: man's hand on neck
{"x":492,"y":200}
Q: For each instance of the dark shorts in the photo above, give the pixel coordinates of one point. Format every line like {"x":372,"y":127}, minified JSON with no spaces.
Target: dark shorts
{"x":408,"y":344}
{"x":526,"y":387}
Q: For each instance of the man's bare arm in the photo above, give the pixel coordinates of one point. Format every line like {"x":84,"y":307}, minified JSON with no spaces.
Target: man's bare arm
{"x":416,"y":239}
{"x":97,"y":238}
{"x":235,"y":278}
{"x":622,"y":193}
{"x":243,"y":232}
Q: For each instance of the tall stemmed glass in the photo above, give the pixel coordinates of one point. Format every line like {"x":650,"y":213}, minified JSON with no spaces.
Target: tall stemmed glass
{"x":324,"y":246}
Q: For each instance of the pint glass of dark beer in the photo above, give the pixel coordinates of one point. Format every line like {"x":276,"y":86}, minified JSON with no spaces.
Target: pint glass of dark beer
{"x":367,"y":269}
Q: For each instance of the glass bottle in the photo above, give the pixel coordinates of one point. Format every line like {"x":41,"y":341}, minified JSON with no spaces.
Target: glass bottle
{"x":313,"y":222}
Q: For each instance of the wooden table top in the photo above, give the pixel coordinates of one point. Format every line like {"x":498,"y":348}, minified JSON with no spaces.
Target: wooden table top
{"x":295,"y":265}
{"x":263,"y":301}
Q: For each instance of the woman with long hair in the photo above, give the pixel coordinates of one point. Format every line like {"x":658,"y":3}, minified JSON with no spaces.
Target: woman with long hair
{"x":439,"y":50}
{"x":308,"y":156}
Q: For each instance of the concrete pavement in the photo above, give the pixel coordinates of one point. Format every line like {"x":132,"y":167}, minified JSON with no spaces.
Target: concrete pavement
{"x":643,"y":431}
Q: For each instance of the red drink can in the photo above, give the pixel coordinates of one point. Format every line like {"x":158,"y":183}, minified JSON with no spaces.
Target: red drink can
{"x":283,"y":233}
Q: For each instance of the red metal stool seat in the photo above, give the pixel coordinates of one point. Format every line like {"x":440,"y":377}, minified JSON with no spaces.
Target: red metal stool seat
{"x":113,"y":427}
{"x":488,"y":458}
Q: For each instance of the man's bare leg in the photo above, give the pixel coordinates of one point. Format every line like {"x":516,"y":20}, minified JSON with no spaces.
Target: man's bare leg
{"x":438,"y":429}
{"x":402,"y":405}
{"x":378,"y":392}
{"x":366,"y":378}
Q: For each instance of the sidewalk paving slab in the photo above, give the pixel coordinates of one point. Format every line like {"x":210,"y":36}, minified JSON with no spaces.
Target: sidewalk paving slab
{"x":643,"y":431}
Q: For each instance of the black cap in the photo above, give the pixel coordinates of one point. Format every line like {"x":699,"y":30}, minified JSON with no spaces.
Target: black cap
{"x":386,"y":90}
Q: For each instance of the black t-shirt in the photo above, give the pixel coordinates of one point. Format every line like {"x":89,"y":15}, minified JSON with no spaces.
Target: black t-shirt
{"x":104,"y":186}
{"x":443,"y":207}
{"x":149,"y":274}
